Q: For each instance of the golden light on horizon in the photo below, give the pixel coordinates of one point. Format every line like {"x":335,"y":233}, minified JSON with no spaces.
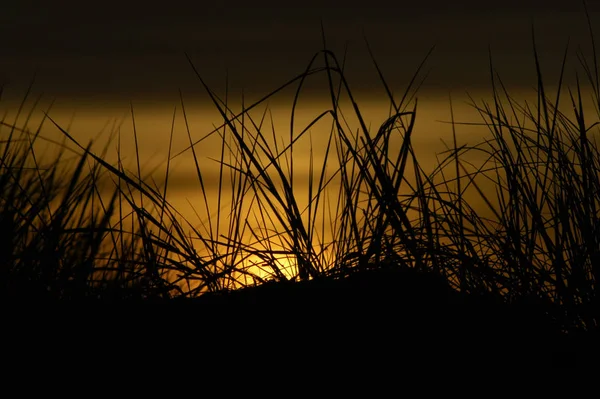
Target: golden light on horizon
{"x":198,"y":208}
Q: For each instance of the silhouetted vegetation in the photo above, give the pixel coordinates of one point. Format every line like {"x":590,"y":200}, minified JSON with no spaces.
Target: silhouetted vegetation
{"x":371,"y":208}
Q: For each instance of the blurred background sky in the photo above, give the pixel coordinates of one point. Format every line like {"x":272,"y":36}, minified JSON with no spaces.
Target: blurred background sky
{"x":93,"y":58}
{"x":111,"y":50}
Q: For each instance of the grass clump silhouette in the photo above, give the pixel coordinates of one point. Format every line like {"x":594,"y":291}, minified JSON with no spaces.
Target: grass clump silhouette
{"x":388,"y":218}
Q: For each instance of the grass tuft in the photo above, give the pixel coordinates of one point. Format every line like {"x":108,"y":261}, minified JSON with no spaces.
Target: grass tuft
{"x":369,"y":204}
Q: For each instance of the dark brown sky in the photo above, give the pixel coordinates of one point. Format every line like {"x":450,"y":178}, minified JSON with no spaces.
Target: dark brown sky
{"x":105,"y":50}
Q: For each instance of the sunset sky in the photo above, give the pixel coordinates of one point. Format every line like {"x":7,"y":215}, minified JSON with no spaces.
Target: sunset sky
{"x":114,"y":50}
{"x":102,"y":60}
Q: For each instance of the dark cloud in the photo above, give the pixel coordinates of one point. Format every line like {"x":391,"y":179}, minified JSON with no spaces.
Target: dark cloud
{"x":127,"y":49}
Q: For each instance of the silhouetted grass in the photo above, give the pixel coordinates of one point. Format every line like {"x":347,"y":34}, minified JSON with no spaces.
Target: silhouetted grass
{"x":369,"y":206}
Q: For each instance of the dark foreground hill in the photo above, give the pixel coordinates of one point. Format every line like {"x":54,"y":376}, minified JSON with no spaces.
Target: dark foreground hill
{"x":392,"y":313}
{"x":371,"y":317}
{"x":389,"y":315}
